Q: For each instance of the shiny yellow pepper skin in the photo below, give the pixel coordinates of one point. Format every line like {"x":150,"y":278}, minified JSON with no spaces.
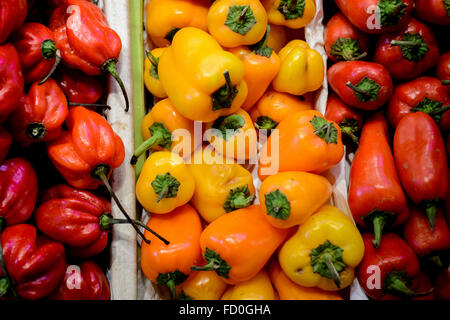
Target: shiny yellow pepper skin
{"x":235,"y":23}
{"x":328,"y":235}
{"x":257,"y":288}
{"x":151,"y":78}
{"x":165,"y":183}
{"x":203,"y":285}
{"x":302,"y":69}
{"x":220,"y":187}
{"x":294,"y":14}
{"x":202,"y":80}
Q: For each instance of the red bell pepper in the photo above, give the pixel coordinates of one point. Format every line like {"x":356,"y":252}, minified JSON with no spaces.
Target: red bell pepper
{"x":13,"y":14}
{"x":425,"y":94}
{"x":37,"y":50}
{"x":5,"y":143}
{"x":86,"y":41}
{"x":421,"y":161}
{"x":377,"y":16}
{"x":422,"y":283}
{"x":349,"y":119}
{"x":375,"y":195}
{"x":84,"y":282}
{"x":343,"y":41}
{"x":409,"y":52}
{"x":442,"y":284}
{"x":40,"y":115}
{"x":11,"y":80}
{"x":443,"y":69}
{"x":385,"y":273}
{"x":18,"y":190}
{"x":434,"y":11}
{"x":423,"y":240}
{"x":360,"y":84}
{"x":32,"y":265}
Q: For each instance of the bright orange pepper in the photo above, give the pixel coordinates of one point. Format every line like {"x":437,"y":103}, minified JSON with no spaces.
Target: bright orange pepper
{"x":277,"y":37}
{"x":257,"y":288}
{"x":239,"y":244}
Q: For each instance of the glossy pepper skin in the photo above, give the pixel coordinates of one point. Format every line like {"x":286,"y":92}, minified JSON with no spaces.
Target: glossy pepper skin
{"x":257,"y":288}
{"x":306,"y":130}
{"x":326,"y":248}
{"x":408,"y":53}
{"x":220,"y":187}
{"x":375,"y":195}
{"x":37,"y":50}
{"x":425,"y":94}
{"x":393,"y":15}
{"x":294,"y":14}
{"x":421,"y":238}
{"x":274,"y":107}
{"x":170,"y":265}
{"x":165,"y":18}
{"x":11,"y":80}
{"x":385,"y":272}
{"x":289,"y":290}
{"x":236,"y":23}
{"x":18,"y":190}
{"x":13,"y":15}
{"x":234,"y":133}
{"x":421,"y":161}
{"x":343,"y":41}
{"x":35,"y":264}
{"x":443,"y":69}
{"x":203,"y":285}
{"x":165,"y":183}
{"x":90,"y":279}
{"x":362,"y":85}
{"x":40,"y":115}
{"x":434,"y":11}
{"x":290,"y":198}
{"x":203,"y":82}
{"x":89,"y":145}
{"x":5,"y":143}
{"x":238,"y":245}
{"x":151,"y":77}
{"x":301,"y":71}
{"x":85,"y":40}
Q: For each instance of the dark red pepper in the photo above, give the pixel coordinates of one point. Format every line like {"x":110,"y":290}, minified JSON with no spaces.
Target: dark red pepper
{"x":33,"y":266}
{"x":18,"y":190}
{"x":443,"y":69}
{"x":442,"y":284}
{"x":84,"y":282}
{"x":434,"y":11}
{"x":11,"y":80}
{"x":408,"y":53}
{"x":421,"y":161}
{"x":13,"y":14}
{"x":5,"y":143}
{"x":422,"y":283}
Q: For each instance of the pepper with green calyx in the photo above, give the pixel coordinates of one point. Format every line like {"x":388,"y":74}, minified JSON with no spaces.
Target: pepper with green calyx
{"x":224,"y":96}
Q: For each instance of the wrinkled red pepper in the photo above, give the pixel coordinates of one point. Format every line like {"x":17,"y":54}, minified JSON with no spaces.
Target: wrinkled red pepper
{"x":32,"y":265}
{"x":40,"y":114}
{"x":86,"y":41}
{"x":5,"y":143}
{"x":385,"y":273}
{"x":13,"y":14}
{"x":421,"y":161}
{"x":443,"y":69}
{"x":84,"y":282}
{"x":11,"y":80}
{"x":37,"y":50}
{"x":408,"y":53}
{"x":18,"y":190}
{"x":434,"y":11}
{"x":360,"y":84}
{"x":375,"y":195}
{"x":442,"y":284}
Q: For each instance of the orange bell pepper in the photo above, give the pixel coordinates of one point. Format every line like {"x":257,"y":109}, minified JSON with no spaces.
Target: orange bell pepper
{"x":203,"y":285}
{"x":277,"y":37}
{"x":289,"y":290}
{"x":307,"y":142}
{"x":169,"y":265}
{"x":274,"y":107}
{"x":238,"y":245}
{"x":257,"y":288}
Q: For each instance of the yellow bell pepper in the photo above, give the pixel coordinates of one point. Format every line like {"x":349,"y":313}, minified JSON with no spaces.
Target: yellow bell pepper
{"x":165,"y":183}
{"x":202,"y":80}
{"x":257,"y":288}
{"x":324,"y":252}
{"x":166,"y":17}
{"x":235,"y":23}
{"x":302,"y":69}
{"x":151,"y":77}
{"x":203,"y":285}
{"x":293,"y":14}
{"x":220,"y":187}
